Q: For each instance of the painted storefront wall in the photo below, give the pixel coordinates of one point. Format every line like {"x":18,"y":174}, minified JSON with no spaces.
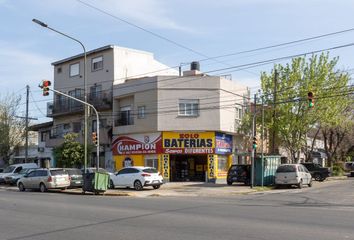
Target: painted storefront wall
{"x":163,"y":151}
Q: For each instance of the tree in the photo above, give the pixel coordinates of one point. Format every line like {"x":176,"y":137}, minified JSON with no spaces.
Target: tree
{"x":291,"y":118}
{"x":70,"y":153}
{"x":12,"y":128}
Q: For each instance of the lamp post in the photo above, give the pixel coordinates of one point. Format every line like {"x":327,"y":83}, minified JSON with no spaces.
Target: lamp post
{"x":85,"y":84}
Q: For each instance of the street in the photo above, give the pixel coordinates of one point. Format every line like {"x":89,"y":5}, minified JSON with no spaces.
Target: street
{"x":323,"y":212}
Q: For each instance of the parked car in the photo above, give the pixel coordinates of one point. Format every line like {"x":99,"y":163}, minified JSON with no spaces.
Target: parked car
{"x":44,"y":179}
{"x":317,"y":172}
{"x":292,"y":174}
{"x":239,"y":173}
{"x":136,"y":177}
{"x":76,"y":179}
{"x":13,"y":178}
{"x":15,"y":168}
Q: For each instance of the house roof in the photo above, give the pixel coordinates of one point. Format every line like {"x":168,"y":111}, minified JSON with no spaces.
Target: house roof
{"x":82,"y":54}
{"x":39,"y":126}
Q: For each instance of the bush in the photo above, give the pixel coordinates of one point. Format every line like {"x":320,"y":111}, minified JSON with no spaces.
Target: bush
{"x":337,"y":170}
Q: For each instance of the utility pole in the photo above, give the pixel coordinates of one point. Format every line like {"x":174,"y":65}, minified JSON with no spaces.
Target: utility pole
{"x":274,"y":112}
{"x":26,"y":144}
{"x":253,"y":154}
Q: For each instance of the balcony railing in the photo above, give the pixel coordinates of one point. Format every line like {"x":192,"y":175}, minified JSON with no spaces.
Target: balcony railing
{"x":124,"y":118}
{"x":100,"y":100}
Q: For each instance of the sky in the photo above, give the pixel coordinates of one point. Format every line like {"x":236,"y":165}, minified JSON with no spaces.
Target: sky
{"x":195,"y":30}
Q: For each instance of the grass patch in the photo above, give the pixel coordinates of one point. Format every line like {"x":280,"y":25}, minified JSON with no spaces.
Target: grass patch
{"x":264,"y":188}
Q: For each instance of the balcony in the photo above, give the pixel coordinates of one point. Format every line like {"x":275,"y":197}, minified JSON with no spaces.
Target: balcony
{"x":100,"y":100}
{"x":124,"y":118}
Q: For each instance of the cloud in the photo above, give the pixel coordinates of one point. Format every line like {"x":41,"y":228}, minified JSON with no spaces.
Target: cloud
{"x":151,"y":13}
{"x":20,"y":67}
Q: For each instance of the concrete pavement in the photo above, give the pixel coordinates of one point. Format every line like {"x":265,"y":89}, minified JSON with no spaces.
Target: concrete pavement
{"x":185,"y":189}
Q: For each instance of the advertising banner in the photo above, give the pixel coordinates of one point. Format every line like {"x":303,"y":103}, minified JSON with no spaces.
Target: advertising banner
{"x":188,"y":142}
{"x":150,"y":143}
{"x":223,"y":143}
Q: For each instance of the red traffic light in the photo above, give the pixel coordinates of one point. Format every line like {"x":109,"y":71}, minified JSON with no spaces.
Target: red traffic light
{"x":46,"y":83}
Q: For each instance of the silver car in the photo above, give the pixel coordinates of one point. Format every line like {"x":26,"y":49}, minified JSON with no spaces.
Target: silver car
{"x":44,"y":179}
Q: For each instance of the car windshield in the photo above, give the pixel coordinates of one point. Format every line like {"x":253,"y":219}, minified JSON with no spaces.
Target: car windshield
{"x":286,"y":168}
{"x":9,"y":169}
{"x":74,"y":171}
{"x":57,"y":172}
{"x":150,"y":170}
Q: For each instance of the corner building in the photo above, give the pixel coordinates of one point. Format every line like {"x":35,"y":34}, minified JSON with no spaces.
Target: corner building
{"x":184,"y":126}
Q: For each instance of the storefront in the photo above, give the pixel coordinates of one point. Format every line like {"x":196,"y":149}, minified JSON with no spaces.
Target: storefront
{"x":179,"y":156}
{"x":137,"y":150}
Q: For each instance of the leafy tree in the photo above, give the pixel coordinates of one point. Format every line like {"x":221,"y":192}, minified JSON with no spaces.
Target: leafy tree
{"x":71,"y":153}
{"x":12,"y":128}
{"x":291,"y":118}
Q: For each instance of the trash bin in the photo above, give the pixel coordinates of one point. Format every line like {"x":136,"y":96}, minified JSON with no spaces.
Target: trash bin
{"x":96,"y":182}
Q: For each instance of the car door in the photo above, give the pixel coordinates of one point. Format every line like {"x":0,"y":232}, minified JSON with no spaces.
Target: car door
{"x":132,"y":175}
{"x":119,"y":179}
{"x":309,"y":176}
{"x":305,"y":174}
{"x":28,"y":180}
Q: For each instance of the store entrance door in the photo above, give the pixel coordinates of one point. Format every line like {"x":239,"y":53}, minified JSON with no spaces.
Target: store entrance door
{"x":186,"y":168}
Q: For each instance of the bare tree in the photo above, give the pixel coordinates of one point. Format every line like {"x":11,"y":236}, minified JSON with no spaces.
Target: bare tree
{"x":12,"y":128}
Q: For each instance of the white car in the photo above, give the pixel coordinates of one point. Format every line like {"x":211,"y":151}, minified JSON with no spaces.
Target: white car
{"x":136,"y":177}
{"x":292,"y":174}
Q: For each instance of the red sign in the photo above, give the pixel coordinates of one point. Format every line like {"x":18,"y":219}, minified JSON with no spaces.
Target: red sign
{"x":137,"y":144}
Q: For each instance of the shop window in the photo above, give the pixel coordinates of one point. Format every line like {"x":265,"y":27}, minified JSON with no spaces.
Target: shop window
{"x":151,"y":162}
{"x":222,"y":164}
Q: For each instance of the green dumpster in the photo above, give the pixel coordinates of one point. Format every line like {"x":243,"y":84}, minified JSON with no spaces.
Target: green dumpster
{"x":265,"y":169}
{"x":96,"y":182}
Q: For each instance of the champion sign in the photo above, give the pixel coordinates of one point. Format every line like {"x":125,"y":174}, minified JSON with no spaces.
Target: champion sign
{"x":137,"y":144}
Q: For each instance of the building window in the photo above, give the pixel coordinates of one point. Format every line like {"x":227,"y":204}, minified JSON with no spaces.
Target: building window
{"x":95,"y":92}
{"x":59,"y":70}
{"x":125,"y":117}
{"x":76,"y":127}
{"x":141,"y":112}
{"x":188,"y":107}
{"x":97,"y":63}
{"x":103,"y":123}
{"x":151,"y":161}
{"x":74,"y":69}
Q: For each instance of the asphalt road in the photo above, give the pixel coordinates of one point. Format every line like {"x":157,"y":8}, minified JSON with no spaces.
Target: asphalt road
{"x":323,"y":212}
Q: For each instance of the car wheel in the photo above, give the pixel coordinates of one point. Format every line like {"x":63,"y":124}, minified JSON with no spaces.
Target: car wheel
{"x":229,"y":183}
{"x":299,"y":185}
{"x":310,"y":183}
{"x":137,"y":185}
{"x":21,"y":187}
{"x":317,"y":177}
{"x":42,"y":187}
{"x":111,"y":184}
{"x":156,"y":187}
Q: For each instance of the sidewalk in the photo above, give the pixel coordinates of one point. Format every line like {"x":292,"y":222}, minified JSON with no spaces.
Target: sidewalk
{"x":181,"y":189}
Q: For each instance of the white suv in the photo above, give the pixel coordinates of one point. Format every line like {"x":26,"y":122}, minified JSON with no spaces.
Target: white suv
{"x":136,"y":177}
{"x":292,"y":174}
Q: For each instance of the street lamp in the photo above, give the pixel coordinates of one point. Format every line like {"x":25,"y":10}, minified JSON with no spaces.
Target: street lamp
{"x":85,"y":84}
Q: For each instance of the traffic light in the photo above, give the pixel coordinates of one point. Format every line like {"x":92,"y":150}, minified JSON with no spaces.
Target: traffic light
{"x":311,"y":100}
{"x":94,"y":138}
{"x":254,"y":143}
{"x":45,"y":86}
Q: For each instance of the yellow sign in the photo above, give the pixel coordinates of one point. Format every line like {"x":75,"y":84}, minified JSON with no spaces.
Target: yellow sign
{"x":188,"y":142}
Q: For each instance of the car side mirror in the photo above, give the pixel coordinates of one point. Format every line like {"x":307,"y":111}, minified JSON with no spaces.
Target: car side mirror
{"x":25,"y":176}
